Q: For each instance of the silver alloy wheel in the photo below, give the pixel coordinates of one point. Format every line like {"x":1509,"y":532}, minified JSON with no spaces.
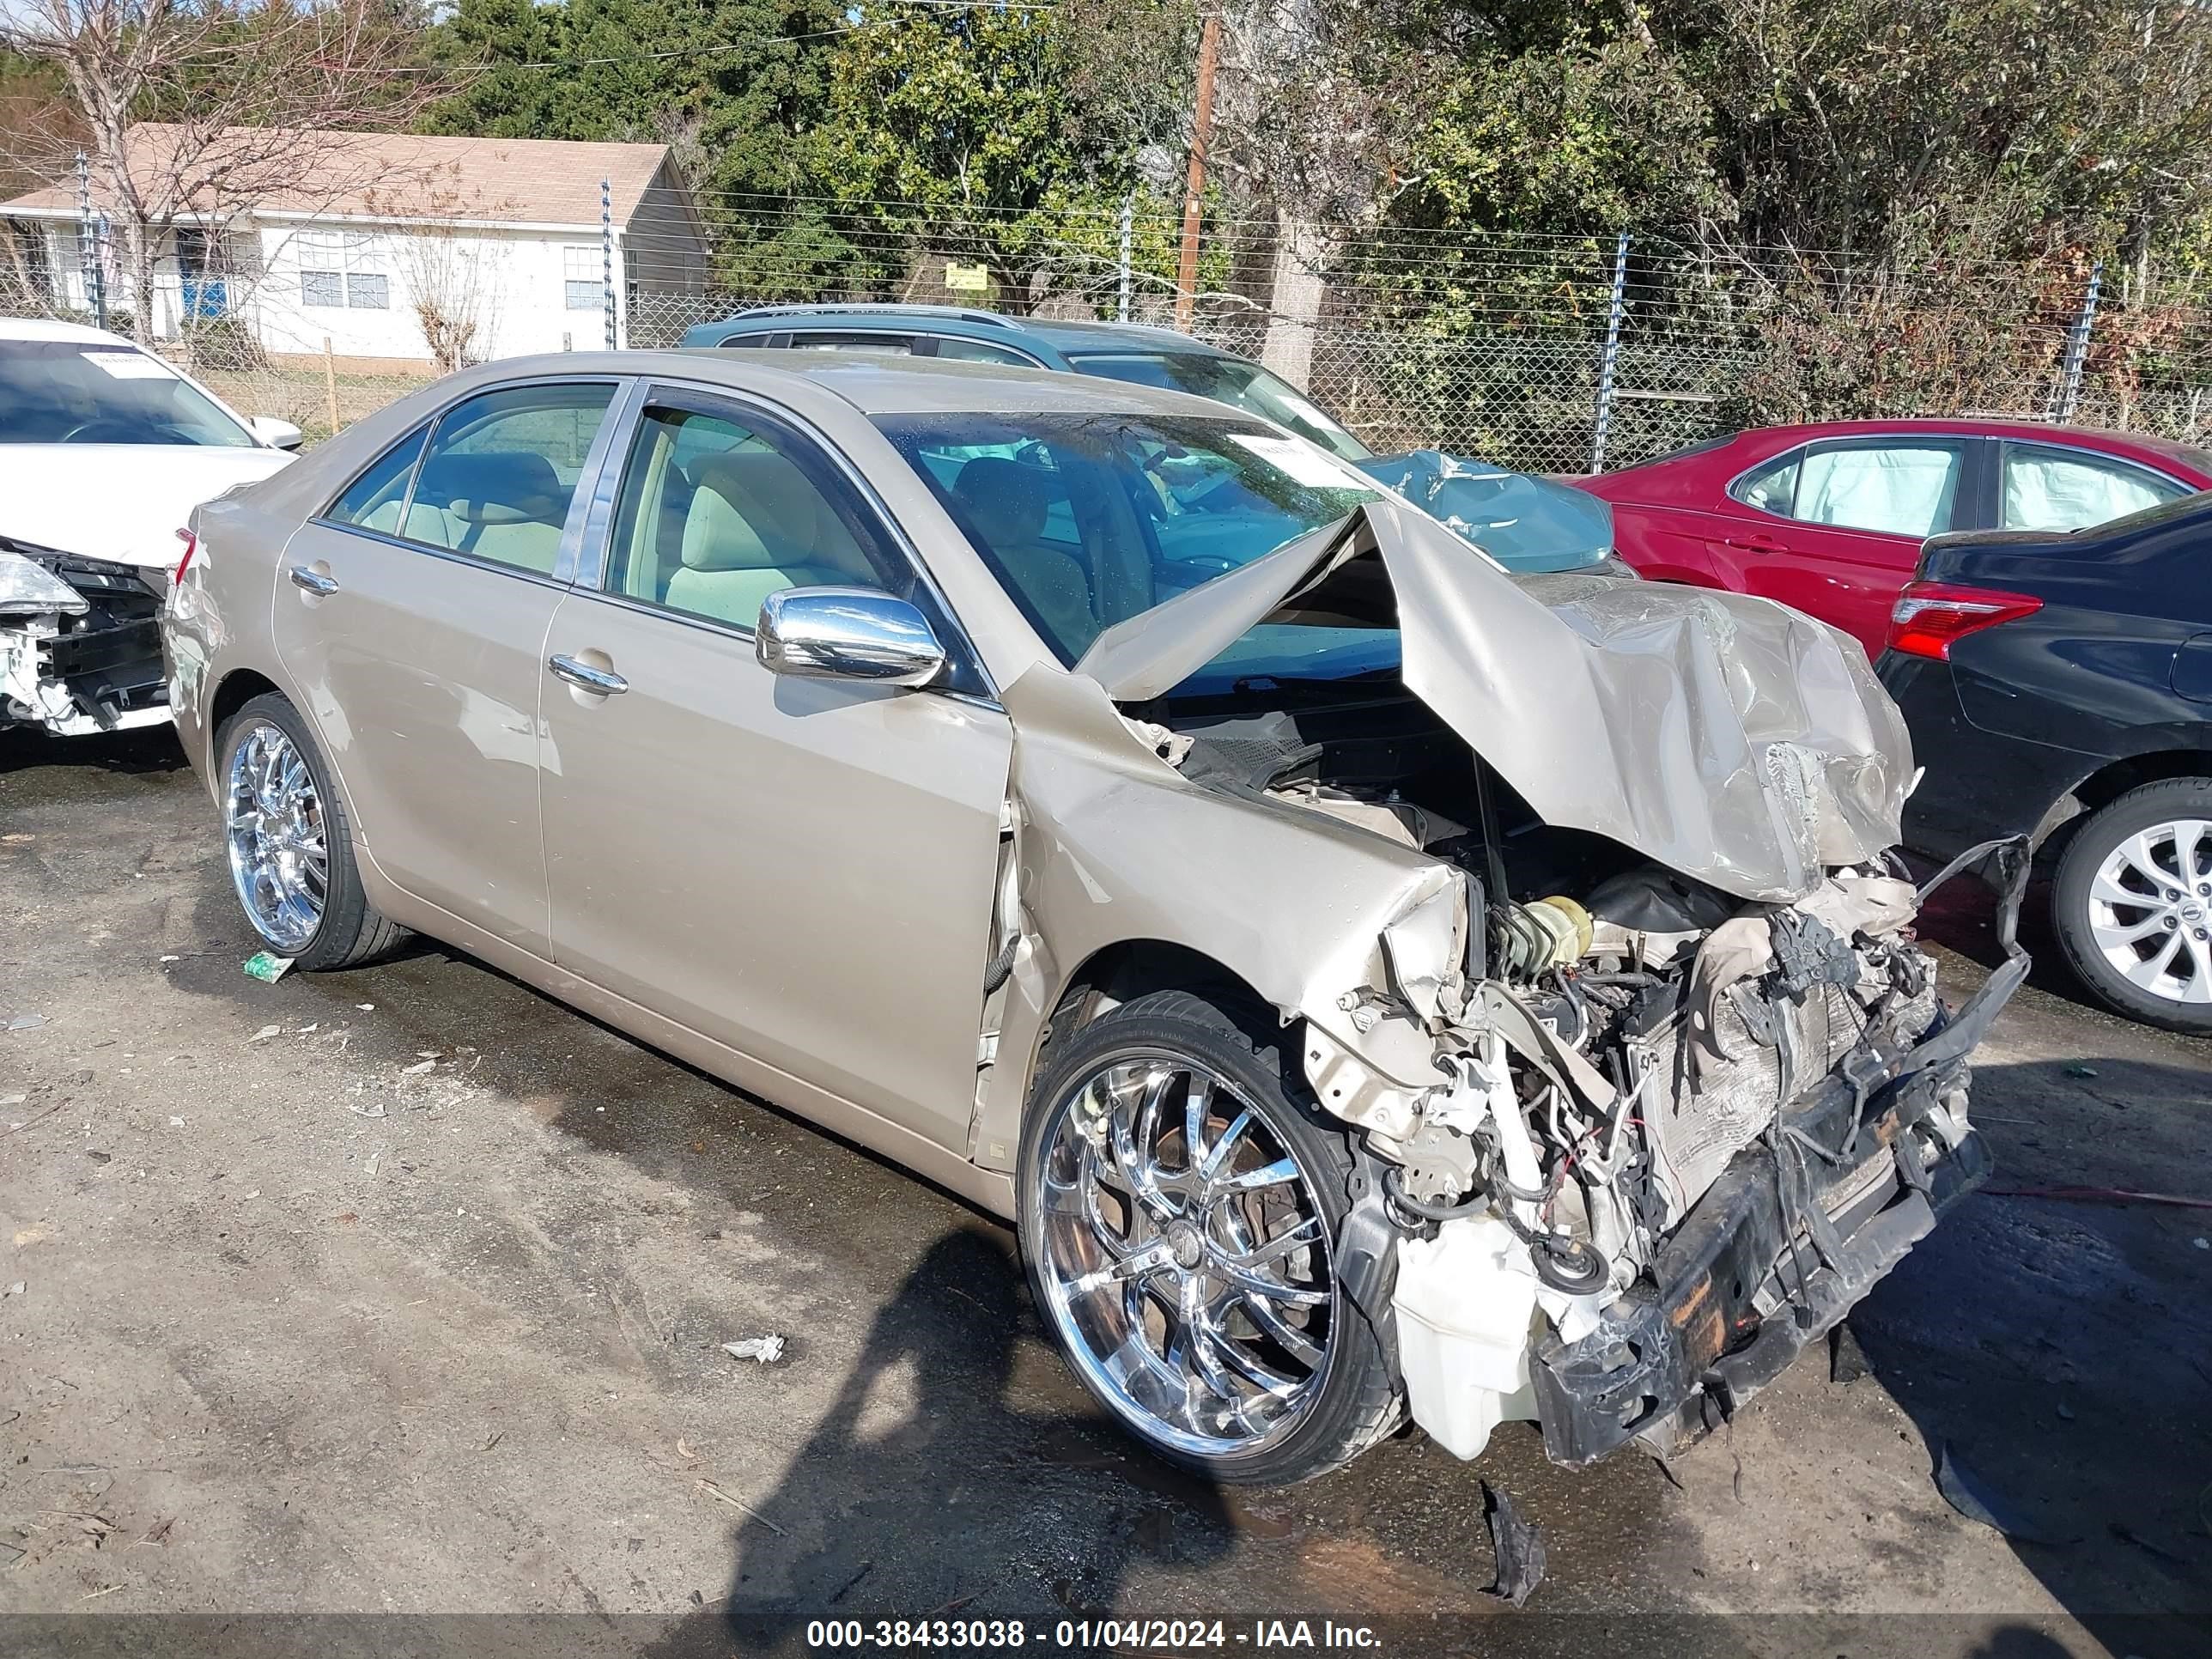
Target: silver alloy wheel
{"x":1184,"y":1256}
{"x":278,"y":859}
{"x":2150,"y":910}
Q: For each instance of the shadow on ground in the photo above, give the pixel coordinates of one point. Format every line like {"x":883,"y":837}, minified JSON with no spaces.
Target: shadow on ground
{"x":148,"y":749}
{"x":2061,"y":1349}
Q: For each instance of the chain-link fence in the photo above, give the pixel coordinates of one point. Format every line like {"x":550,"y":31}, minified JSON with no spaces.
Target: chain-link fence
{"x":1545,"y":352}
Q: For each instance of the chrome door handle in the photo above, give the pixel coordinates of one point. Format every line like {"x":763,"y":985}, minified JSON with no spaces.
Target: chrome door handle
{"x":313,"y":581}
{"x":604,"y":681}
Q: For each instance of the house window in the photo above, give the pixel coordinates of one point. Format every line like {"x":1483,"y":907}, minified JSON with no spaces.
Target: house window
{"x":583,"y":271}
{"x":339,"y":270}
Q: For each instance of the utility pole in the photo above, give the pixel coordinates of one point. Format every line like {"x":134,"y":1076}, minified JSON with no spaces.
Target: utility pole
{"x":1202,"y":133}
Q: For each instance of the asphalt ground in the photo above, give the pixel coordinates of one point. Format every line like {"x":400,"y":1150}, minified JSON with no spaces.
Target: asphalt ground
{"x":384,"y":1311}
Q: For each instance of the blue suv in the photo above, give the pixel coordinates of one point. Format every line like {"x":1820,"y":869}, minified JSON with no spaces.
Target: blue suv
{"x":1526,"y":524}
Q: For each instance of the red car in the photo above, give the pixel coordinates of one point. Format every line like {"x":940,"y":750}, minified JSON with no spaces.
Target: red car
{"x":1829,"y":518}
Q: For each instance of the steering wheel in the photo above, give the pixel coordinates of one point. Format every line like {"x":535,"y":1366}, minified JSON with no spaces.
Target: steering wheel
{"x":118,"y":431}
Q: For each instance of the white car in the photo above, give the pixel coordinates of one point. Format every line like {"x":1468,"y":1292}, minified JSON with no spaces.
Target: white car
{"x":105,"y":450}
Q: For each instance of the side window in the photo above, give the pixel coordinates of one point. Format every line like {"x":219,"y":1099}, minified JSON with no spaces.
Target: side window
{"x":1773,"y":487}
{"x":976,"y":351}
{"x":375,"y":499}
{"x":2047,"y":488}
{"x":1898,"y":489}
{"x":859,"y":341}
{"x":720,"y":508}
{"x":501,"y":470}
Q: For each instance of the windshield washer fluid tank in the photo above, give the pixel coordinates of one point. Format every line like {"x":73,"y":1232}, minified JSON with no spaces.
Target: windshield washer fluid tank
{"x":1467,"y":1310}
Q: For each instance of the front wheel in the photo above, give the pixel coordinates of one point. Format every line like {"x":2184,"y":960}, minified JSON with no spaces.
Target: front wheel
{"x":2132,"y":903}
{"x":1181,"y":1195}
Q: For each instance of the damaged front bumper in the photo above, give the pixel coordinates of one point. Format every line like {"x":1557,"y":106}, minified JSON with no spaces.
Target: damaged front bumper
{"x":90,"y":663}
{"x":1790,"y":1238}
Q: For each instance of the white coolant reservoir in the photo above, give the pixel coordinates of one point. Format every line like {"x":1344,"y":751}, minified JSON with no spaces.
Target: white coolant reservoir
{"x":1467,"y":1305}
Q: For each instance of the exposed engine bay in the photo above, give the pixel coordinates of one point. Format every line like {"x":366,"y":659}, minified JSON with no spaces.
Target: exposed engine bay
{"x":80,"y":651}
{"x":1583,"y":1056}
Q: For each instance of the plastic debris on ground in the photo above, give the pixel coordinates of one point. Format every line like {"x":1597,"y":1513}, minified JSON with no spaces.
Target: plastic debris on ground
{"x":1847,"y":1361}
{"x":1517,"y":1545}
{"x":1965,"y":1493}
{"x":765,"y":1349}
{"x":26,"y":1021}
{"x":266,"y":1033}
{"x":266,"y":968}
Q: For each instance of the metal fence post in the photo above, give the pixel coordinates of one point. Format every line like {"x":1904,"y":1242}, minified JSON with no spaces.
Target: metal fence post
{"x":607,"y":254}
{"x":2077,"y":345}
{"x":1611,"y":355}
{"x":95,"y":290}
{"x":1128,"y":217}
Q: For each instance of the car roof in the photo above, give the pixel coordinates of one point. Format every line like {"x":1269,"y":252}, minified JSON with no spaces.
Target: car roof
{"x":39,"y":328}
{"x":888,"y":384}
{"x":1778,"y":438}
{"x":1065,"y":335}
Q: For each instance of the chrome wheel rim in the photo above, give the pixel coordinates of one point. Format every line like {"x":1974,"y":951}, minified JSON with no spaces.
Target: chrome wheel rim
{"x":2150,"y":910}
{"x":1184,"y":1257}
{"x":278,"y":859}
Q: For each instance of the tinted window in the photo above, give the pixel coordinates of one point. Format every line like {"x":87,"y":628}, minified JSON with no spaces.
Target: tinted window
{"x":720,"y":510}
{"x":1898,"y":490}
{"x":70,"y":391}
{"x":2047,"y":488}
{"x":1229,"y":380}
{"x":1088,"y":519}
{"x":975,"y":351}
{"x":501,"y":470}
{"x":1773,"y":487}
{"x":375,"y":499}
{"x":855,"y":341}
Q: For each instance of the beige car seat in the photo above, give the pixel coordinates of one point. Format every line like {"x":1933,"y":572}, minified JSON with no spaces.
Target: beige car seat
{"x":507,"y":505}
{"x":1008,"y":503}
{"x":756,"y":525}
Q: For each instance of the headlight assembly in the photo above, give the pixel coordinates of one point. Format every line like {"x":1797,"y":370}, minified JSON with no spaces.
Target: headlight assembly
{"x":27,"y":589}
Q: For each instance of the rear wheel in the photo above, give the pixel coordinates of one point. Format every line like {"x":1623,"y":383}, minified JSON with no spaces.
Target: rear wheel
{"x":291,"y":859}
{"x":2132,"y":903}
{"x":1181,"y":1195}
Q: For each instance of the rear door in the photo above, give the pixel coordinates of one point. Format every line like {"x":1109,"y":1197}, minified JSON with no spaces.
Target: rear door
{"x":802,"y":870}
{"x":1834,"y":528}
{"x":412,"y":615}
{"x":2050,"y":486}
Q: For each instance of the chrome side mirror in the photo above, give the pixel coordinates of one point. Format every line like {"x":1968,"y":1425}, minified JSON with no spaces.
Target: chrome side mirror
{"x":847,"y":634}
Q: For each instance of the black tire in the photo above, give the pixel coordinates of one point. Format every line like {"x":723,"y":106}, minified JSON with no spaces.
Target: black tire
{"x":1357,"y":1402}
{"x":351,"y":932}
{"x":2094,"y":840}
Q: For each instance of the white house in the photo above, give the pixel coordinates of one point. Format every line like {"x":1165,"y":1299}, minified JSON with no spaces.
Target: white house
{"x":395,"y":248}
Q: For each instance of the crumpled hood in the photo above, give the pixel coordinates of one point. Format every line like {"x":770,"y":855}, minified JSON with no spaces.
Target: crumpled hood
{"x":125,"y":502}
{"x":1727,"y":736}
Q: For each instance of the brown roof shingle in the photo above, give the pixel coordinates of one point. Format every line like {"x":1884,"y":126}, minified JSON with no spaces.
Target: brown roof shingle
{"x":383,"y":175}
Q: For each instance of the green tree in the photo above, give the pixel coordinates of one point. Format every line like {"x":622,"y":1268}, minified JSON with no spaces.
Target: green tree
{"x":967,"y":133}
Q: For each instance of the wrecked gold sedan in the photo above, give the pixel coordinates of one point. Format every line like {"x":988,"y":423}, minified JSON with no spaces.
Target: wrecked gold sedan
{"x":1372,"y":983}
